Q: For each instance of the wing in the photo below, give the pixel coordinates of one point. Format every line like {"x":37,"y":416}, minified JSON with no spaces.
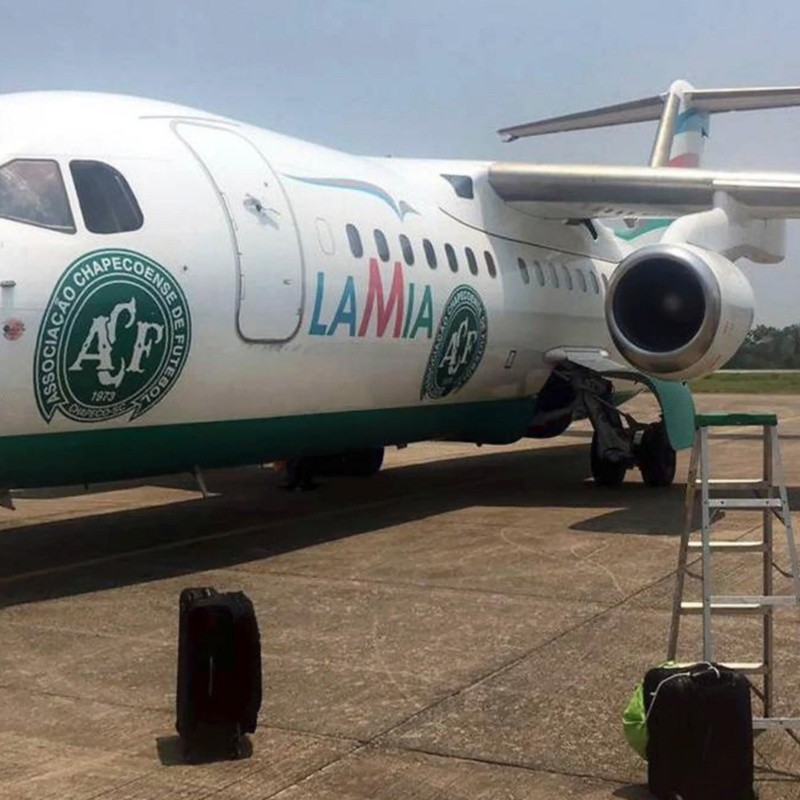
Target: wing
{"x":576,"y":192}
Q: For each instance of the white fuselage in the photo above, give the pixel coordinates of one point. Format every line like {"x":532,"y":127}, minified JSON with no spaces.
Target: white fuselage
{"x":289,"y":337}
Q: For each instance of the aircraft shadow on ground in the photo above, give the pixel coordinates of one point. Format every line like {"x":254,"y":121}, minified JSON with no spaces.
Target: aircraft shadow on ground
{"x":108,"y":550}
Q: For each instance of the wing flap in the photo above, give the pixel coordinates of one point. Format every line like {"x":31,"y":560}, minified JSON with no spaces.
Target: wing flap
{"x":577,"y":191}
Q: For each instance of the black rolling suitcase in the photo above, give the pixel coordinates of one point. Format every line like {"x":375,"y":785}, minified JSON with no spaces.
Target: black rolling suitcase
{"x":219,"y":671}
{"x":700,"y":733}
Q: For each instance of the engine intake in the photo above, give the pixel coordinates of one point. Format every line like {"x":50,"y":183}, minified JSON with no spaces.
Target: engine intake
{"x":678,"y":311}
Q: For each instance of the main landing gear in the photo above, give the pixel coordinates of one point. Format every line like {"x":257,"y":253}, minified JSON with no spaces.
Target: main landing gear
{"x":619,"y":442}
{"x":299,"y":473}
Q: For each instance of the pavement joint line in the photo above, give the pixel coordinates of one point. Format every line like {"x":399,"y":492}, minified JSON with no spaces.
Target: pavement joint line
{"x":319,"y":770}
{"x":510,"y":765}
{"x":243,"y":531}
{"x":21,"y":623}
{"x":516,"y":660}
{"x":375,"y":741}
{"x":64,"y":696}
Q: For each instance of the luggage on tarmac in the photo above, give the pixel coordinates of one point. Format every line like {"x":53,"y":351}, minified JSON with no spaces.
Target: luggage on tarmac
{"x":219,"y":670}
{"x":699,"y":733}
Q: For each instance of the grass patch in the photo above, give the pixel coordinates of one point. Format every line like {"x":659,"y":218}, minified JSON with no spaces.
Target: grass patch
{"x":765,"y":382}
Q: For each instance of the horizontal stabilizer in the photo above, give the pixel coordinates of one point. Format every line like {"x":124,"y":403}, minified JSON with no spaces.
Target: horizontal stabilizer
{"x":711,"y":101}
{"x":578,"y":191}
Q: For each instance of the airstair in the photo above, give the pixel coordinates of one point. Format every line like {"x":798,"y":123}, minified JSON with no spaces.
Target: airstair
{"x":766,"y":494}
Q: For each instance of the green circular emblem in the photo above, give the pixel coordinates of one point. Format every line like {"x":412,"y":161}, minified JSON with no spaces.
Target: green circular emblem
{"x":459,"y":344}
{"x":113,"y":340}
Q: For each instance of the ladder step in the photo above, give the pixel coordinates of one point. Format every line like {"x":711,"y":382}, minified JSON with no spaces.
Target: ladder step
{"x":734,"y":483}
{"x":734,"y":608}
{"x":738,"y":546}
{"x":744,"y":502}
{"x":746,"y":667}
{"x":735,"y":418}
{"x":783,"y":723}
{"x":761,"y":600}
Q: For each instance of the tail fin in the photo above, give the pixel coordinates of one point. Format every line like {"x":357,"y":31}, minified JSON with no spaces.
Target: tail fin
{"x":683,"y":113}
{"x":680,"y":138}
{"x":682,"y":110}
{"x":690,"y":130}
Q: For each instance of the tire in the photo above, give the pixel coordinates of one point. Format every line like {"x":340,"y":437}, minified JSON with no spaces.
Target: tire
{"x":366,"y":463}
{"x":609,"y":474}
{"x":656,"y":458}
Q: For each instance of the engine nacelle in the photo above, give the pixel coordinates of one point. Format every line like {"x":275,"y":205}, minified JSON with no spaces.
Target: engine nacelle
{"x":678,"y":311}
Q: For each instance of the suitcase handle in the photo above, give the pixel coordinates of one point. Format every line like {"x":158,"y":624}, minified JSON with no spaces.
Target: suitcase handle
{"x":709,"y":667}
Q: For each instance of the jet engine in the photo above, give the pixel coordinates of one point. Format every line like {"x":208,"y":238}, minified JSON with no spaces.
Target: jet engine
{"x":678,"y":311}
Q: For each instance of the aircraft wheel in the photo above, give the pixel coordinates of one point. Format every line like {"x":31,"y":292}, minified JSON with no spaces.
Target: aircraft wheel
{"x":656,"y":458}
{"x":606,"y":473}
{"x":299,"y":473}
{"x":365,"y":463}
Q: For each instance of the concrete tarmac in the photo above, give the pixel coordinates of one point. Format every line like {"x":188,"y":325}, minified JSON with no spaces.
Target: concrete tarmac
{"x":468,"y":624}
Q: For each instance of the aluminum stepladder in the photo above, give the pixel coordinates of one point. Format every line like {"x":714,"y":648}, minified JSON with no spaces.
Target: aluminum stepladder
{"x":771,"y":498}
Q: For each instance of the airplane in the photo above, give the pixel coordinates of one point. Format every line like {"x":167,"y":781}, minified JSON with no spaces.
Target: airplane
{"x":182,"y":291}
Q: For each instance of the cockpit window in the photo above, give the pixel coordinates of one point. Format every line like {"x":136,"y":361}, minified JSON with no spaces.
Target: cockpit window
{"x":107,"y":203}
{"x":32,"y":191}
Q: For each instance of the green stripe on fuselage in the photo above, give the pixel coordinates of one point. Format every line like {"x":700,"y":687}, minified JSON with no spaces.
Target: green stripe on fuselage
{"x":91,"y":456}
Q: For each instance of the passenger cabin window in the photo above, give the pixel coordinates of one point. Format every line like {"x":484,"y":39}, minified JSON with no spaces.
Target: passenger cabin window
{"x":430,"y":253}
{"x":107,"y":203}
{"x":382,"y":245}
{"x":523,"y":270}
{"x":408,"y":251}
{"x":32,"y":191}
{"x":354,"y":238}
{"x":567,"y":277}
{"x":539,"y":273}
{"x":490,"y":265}
{"x":471,"y":261}
{"x":451,"y":258}
{"x":553,"y":276}
{"x":595,"y":284}
{"x":581,"y":280}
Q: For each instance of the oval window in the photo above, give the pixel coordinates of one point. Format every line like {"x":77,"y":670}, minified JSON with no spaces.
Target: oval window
{"x":490,"y":265}
{"x":523,"y":270}
{"x":382,"y":245}
{"x":408,"y":251}
{"x":354,"y":238}
{"x":430,"y":253}
{"x":451,"y":257}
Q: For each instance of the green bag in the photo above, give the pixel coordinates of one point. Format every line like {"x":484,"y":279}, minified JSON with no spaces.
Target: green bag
{"x":634,"y":722}
{"x":634,"y":718}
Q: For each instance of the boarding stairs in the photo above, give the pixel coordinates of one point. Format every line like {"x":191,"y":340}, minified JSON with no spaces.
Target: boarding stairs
{"x":767,"y":494}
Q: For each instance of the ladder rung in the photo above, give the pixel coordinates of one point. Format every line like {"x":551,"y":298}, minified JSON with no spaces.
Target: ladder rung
{"x":765,"y":723}
{"x":746,"y":667}
{"x":734,"y":483}
{"x":732,"y":608}
{"x":736,"y":547}
{"x":728,"y":420}
{"x":744,"y":502}
{"x":754,"y":599}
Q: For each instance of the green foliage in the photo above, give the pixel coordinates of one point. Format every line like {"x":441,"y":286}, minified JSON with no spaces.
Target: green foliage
{"x":768,"y":348}
{"x":762,"y":382}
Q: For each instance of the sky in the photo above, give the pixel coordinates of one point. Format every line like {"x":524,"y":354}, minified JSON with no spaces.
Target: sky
{"x":434,"y":78}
